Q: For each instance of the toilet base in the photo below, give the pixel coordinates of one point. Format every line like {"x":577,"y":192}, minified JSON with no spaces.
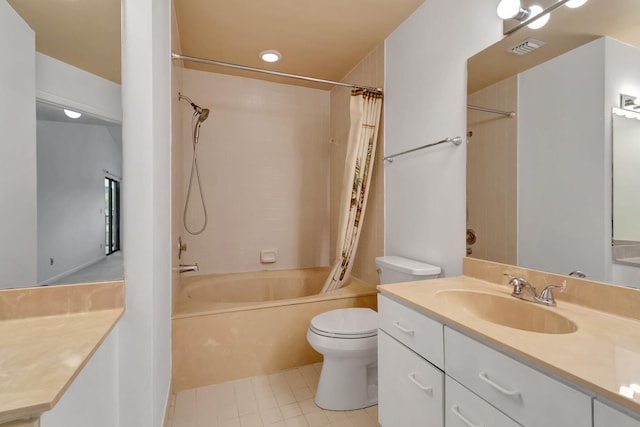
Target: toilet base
{"x":344,"y":387}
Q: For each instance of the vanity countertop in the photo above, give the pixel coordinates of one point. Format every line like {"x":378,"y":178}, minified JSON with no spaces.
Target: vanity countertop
{"x":602,"y":355}
{"x":48,"y":334}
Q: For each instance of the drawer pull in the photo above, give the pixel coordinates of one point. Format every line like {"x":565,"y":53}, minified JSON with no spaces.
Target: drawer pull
{"x":483,"y":376}
{"x":402,"y":328}
{"x":457,"y":413}
{"x":412,"y":377}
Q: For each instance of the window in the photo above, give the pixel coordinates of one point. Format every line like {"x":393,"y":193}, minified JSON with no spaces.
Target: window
{"x":111,"y":215}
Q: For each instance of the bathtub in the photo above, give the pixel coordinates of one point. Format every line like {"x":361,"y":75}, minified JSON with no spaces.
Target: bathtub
{"x":231,"y":326}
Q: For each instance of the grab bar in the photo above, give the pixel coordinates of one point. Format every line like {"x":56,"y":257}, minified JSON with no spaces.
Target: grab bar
{"x":455,"y":141}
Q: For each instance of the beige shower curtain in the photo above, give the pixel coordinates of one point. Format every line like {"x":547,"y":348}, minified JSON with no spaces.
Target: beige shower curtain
{"x":361,"y":148}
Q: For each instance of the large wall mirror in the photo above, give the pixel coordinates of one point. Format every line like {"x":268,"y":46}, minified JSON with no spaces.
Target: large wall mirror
{"x":62,"y":165}
{"x":539,"y":181}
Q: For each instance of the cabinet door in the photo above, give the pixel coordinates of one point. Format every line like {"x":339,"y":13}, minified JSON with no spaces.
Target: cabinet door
{"x":528,"y":396}
{"x":415,"y":330}
{"x":464,"y":409}
{"x":410,"y":389}
{"x":606,"y":416}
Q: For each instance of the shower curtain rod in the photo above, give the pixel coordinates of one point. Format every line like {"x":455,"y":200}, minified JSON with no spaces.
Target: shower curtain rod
{"x":509,"y":114}
{"x":274,"y":73}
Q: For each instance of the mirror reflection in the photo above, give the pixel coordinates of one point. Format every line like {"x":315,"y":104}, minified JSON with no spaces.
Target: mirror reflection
{"x":626,"y":176}
{"x":539,"y":185}
{"x":79,"y":167}
{"x":60,"y":173}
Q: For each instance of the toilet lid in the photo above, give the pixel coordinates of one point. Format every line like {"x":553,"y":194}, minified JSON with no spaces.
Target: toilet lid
{"x":346,"y":323}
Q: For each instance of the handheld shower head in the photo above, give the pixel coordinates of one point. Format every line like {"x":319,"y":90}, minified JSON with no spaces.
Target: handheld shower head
{"x":204,"y":113}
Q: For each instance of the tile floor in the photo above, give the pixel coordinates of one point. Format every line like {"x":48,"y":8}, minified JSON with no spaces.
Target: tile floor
{"x":284,"y":399}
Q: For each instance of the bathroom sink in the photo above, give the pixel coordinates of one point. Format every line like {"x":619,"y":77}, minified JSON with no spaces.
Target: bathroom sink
{"x":509,"y":311}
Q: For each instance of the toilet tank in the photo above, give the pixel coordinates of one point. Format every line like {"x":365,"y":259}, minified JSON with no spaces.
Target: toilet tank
{"x":395,"y":269}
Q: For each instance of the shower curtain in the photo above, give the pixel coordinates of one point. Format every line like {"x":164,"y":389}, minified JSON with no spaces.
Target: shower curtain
{"x":363,"y":133}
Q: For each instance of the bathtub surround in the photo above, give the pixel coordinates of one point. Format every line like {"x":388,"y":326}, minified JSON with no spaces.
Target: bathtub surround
{"x":366,"y":108}
{"x":219,"y":334}
{"x":264,"y":160}
{"x":370,"y":72}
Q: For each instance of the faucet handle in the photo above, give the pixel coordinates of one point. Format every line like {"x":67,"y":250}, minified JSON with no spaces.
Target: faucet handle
{"x":518,"y":284}
{"x":546,"y":296}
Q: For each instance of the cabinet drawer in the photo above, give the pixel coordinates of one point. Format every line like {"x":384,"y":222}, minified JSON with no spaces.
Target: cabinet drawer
{"x":422,"y":334}
{"x":410,"y":389}
{"x":464,"y":409}
{"x":606,"y":416}
{"x":526,"y":395}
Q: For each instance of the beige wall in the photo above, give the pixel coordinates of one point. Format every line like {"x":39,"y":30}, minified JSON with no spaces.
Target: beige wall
{"x":369,"y":72}
{"x":492,"y":173}
{"x":264,"y":164}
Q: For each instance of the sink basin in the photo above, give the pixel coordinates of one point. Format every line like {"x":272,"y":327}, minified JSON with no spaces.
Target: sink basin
{"x":509,"y":311}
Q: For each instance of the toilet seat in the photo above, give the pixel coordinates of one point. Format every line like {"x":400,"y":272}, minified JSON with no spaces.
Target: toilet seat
{"x":346,"y":323}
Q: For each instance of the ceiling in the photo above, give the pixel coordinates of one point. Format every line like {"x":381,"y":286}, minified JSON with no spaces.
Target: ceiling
{"x":323,"y":39}
{"x":85,"y":34}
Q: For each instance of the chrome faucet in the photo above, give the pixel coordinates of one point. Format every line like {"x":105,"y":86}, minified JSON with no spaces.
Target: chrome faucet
{"x":183,"y":268}
{"x":525,"y":290}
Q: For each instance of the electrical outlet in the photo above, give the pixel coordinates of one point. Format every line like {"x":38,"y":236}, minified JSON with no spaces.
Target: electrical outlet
{"x":50,"y":261}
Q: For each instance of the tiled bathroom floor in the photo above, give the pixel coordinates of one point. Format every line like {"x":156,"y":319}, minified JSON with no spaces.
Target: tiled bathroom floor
{"x":284,"y":399}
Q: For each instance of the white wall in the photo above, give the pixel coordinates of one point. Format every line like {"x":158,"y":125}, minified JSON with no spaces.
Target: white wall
{"x":18,"y":220}
{"x":263,"y":156}
{"x":72,"y":159}
{"x":92,"y":398}
{"x":144,"y":349}
{"x":561,"y":206}
{"x":425,"y":101}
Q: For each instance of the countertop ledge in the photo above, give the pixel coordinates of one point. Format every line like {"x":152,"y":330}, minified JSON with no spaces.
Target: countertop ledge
{"x":602,"y":356}
{"x":43,"y":350}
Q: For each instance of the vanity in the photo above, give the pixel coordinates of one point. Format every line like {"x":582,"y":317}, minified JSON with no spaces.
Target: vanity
{"x":48,"y":334}
{"x":462,"y":352}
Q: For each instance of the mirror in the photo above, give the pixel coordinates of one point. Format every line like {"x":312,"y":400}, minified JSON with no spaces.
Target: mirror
{"x":539,"y":185}
{"x":626,"y":177}
{"x":60,"y":173}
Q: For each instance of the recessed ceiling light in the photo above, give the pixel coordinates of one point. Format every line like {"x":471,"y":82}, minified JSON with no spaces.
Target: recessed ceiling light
{"x":270,"y":55}
{"x":72,"y":114}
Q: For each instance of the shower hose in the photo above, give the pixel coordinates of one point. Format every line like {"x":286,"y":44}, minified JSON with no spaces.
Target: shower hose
{"x":195,"y":122}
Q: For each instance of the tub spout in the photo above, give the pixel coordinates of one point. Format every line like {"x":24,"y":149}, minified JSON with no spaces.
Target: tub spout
{"x":183,"y":268}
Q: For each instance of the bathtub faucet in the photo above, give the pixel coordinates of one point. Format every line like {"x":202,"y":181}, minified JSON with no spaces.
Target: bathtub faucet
{"x":183,"y":268}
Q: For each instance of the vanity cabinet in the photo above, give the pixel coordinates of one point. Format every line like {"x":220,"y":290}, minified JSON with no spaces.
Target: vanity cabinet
{"x":411,"y":389}
{"x":606,"y":416}
{"x":525,"y":394}
{"x":432,"y":375}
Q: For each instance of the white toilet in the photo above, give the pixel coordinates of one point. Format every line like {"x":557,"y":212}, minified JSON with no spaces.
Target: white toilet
{"x":348,"y":340}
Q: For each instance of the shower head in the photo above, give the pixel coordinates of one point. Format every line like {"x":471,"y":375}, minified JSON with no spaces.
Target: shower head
{"x":204,"y":113}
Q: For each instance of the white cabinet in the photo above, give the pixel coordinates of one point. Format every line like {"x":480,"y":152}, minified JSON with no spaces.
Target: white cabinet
{"x":464,"y":409}
{"x":415,"y":330}
{"x":480,"y":386}
{"x":410,"y":389}
{"x":526,"y":395}
{"x":606,"y":416}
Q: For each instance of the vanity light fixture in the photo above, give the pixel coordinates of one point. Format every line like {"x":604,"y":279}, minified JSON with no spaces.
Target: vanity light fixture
{"x":630,"y":102}
{"x":270,"y":55}
{"x":511,"y":9}
{"x":72,"y":114}
{"x":575,"y":3}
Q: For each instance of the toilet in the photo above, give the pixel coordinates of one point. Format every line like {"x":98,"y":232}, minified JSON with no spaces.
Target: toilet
{"x":348,"y":340}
